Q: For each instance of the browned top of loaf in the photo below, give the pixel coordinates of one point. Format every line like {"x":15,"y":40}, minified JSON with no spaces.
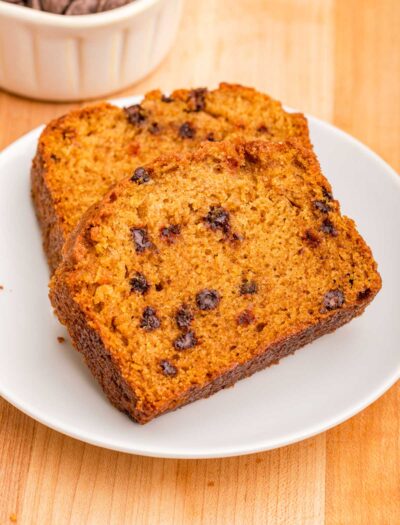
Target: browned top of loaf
{"x":200,"y":262}
{"x":89,"y":149}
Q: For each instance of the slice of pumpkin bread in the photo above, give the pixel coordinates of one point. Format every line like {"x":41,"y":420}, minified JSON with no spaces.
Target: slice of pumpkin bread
{"x":201,"y":269}
{"x":81,"y":154}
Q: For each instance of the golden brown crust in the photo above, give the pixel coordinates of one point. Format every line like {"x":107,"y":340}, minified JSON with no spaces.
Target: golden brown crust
{"x":49,"y":221}
{"x":97,"y":357}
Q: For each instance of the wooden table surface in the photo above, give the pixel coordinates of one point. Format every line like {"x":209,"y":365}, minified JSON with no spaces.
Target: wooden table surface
{"x":339,"y":60}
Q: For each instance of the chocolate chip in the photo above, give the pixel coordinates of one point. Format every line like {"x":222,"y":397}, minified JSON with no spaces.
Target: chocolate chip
{"x":187,"y":131}
{"x":140,"y":176}
{"x":364,"y":294}
{"x":332,"y":300}
{"x":245,"y":318}
{"x":185,"y":341}
{"x":141,"y":239}
{"x":312,"y":238}
{"x":248,"y":287}
{"x":135,"y":114}
{"x":262,"y":129}
{"x":184,"y":317}
{"x":322,"y":206}
{"x":197,"y":99}
{"x":81,"y":7}
{"x":327,"y":194}
{"x":169,"y":233}
{"x":149,"y":321}
{"x":329,"y":228}
{"x":107,"y":5}
{"x":211,"y":137}
{"x":207,"y":299}
{"x":154,"y":128}
{"x":166,"y":99}
{"x":139,"y":283}
{"x":218,"y":219}
{"x":167,"y":368}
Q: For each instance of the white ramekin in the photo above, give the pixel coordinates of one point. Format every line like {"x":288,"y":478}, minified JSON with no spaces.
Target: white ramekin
{"x":55,"y":57}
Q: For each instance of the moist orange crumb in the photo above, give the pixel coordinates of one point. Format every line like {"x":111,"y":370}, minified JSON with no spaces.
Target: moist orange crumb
{"x":61,"y":339}
{"x":82,"y":154}
{"x":200,"y":269}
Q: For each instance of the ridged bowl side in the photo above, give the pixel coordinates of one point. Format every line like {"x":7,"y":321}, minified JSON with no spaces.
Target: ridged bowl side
{"x":74,"y":63}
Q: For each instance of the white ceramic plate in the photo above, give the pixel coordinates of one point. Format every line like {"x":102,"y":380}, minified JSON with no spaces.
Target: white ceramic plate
{"x":317,"y":388}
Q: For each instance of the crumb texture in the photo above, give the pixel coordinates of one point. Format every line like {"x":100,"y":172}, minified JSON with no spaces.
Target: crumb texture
{"x":82,"y":154}
{"x":216,"y":265}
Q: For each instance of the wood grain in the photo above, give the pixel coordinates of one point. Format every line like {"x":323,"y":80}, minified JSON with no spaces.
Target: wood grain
{"x":339,"y":60}
{"x":363,"y":455}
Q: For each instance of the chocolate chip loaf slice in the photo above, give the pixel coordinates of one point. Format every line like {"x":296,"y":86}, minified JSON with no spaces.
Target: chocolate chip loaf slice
{"x":81,"y":154}
{"x":201,"y":269}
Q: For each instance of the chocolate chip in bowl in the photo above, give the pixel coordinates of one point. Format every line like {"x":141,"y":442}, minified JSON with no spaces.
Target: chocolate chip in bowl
{"x":71,"y":7}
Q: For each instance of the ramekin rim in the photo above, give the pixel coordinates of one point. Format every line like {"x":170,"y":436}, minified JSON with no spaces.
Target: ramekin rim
{"x":35,"y":17}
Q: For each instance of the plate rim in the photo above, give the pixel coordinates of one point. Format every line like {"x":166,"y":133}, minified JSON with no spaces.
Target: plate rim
{"x":196,"y":453}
